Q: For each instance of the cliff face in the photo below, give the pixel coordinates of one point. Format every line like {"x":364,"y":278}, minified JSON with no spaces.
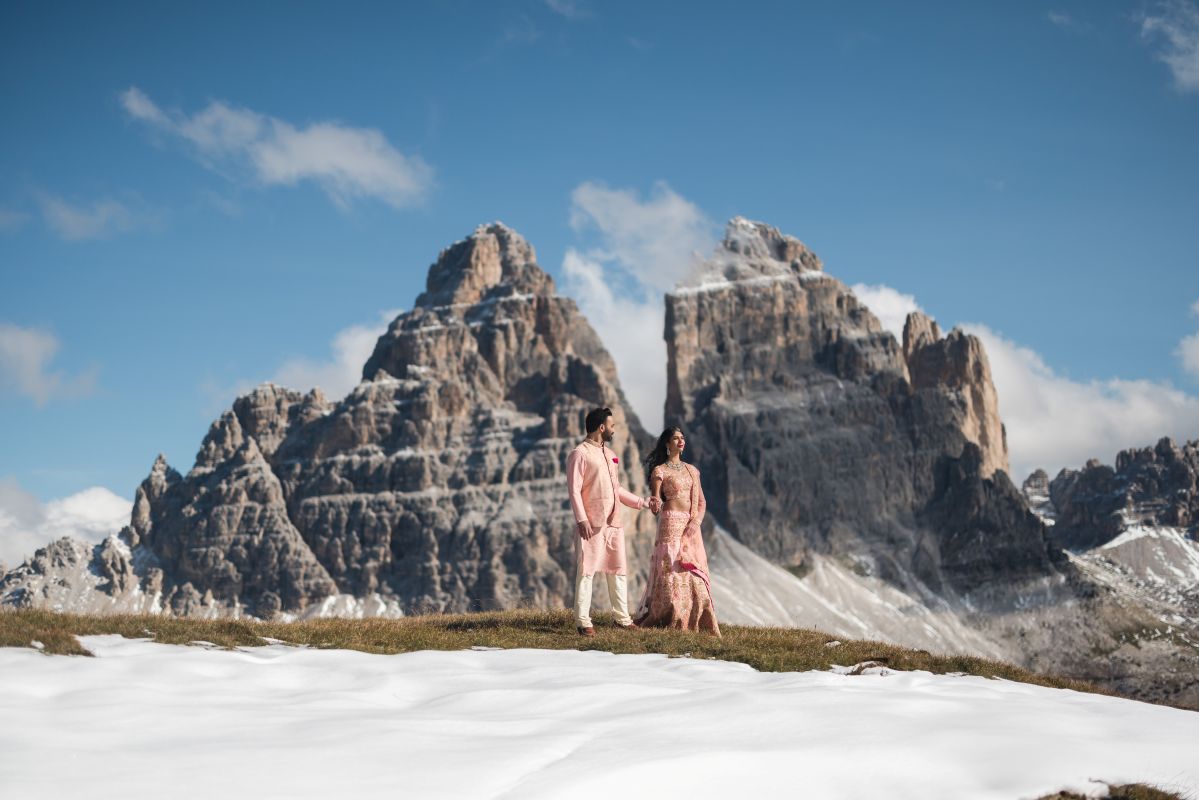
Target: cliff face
{"x":437,"y":484}
{"x":817,"y":432}
{"x":1155,"y":487}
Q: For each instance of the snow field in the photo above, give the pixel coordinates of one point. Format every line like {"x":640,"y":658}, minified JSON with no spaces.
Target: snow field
{"x":279,"y":721}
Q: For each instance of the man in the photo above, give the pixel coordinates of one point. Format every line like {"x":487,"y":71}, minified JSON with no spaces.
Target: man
{"x":593,"y":480}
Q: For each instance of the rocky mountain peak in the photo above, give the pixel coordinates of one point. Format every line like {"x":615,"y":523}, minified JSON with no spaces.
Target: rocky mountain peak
{"x":436,"y":484}
{"x":919,"y":330}
{"x":1036,"y":484}
{"x":266,"y":412}
{"x":757,"y":241}
{"x":470,"y":270}
{"x":754,"y":250}
{"x":816,"y":432}
{"x":1154,"y":486}
{"x":161,"y":478}
{"x":958,"y":363}
{"x":224,"y":438}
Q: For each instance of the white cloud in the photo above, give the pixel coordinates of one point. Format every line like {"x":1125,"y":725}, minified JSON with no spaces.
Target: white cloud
{"x":347,"y":163}
{"x":1068,"y":22}
{"x":631,"y":327}
{"x":1188,"y":353}
{"x":1053,"y":421}
{"x":340,"y":373}
{"x":891,"y":306}
{"x":1175,"y":29}
{"x":335,"y":375}
{"x":1188,"y":348}
{"x":74,"y":222}
{"x":644,"y":248}
{"x":26,"y":524}
{"x":25,"y":356}
{"x":571,"y":9}
{"x":1061,"y":19}
{"x":656,"y":241}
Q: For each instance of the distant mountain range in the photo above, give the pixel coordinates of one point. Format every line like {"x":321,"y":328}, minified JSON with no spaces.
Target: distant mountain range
{"x":856,"y":483}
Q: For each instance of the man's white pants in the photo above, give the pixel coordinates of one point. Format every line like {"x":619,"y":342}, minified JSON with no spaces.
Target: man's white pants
{"x":618,"y":593}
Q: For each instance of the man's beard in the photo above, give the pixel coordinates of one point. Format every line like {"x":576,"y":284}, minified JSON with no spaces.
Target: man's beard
{"x":608,"y":435}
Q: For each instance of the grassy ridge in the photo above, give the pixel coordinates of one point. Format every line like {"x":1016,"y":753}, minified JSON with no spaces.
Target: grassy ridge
{"x":765,"y":649}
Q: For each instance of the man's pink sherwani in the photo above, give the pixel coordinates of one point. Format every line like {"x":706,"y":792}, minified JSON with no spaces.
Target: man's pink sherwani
{"x":593,"y":478}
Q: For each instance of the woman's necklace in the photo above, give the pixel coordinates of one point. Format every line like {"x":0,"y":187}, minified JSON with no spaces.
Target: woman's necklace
{"x":675,"y":465}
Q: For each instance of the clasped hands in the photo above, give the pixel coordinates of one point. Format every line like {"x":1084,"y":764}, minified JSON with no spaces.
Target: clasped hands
{"x":584,"y":529}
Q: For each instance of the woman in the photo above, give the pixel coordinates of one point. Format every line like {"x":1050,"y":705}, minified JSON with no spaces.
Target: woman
{"x":679,"y":594}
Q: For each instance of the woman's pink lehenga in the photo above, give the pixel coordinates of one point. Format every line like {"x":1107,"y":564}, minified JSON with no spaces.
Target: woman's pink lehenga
{"x":679,"y":592}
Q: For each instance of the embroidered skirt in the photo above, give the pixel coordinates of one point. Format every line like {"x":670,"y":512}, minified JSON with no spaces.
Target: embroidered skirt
{"x":679,"y":593}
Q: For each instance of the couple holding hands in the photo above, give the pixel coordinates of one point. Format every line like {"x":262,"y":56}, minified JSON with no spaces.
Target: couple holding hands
{"x":678,"y":593}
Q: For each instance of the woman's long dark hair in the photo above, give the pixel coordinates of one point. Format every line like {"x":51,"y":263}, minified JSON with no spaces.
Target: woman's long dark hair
{"x":658,"y":454}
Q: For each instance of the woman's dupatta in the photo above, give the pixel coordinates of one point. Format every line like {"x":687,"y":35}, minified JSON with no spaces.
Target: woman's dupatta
{"x":693,"y":557}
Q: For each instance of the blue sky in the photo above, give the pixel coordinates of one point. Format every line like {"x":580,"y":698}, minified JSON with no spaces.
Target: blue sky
{"x":1027,"y":168}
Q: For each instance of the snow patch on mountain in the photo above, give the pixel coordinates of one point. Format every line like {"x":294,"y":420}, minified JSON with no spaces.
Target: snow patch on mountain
{"x":831,"y":597}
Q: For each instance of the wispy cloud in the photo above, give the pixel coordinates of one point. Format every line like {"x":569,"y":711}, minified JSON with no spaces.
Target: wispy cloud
{"x":519,"y":32}
{"x":1188,"y":348}
{"x":342,"y":370}
{"x":1174,"y":31}
{"x":1068,"y":22}
{"x":11,"y":221}
{"x":571,"y":9}
{"x":221,"y":203}
{"x":97,"y":220}
{"x":891,"y":306}
{"x":655,"y":240}
{"x":644,"y":248}
{"x":26,"y":524}
{"x":335,"y":374}
{"x":25,"y":358}
{"x":347,"y":163}
{"x":1061,"y":19}
{"x":1053,"y":421}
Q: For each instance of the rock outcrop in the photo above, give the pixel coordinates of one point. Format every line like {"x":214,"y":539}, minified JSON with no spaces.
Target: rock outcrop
{"x":437,"y":484}
{"x":957,"y":365}
{"x":73,"y":576}
{"x":1134,"y":528}
{"x":1153,"y":487}
{"x":1036,"y":491}
{"x":817,"y":432}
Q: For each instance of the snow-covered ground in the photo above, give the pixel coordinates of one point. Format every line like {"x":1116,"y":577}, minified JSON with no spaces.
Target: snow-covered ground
{"x":278,"y":721}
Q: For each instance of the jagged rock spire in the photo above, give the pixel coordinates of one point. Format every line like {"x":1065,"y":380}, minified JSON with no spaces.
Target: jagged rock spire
{"x":466,"y":271}
{"x":959,"y":363}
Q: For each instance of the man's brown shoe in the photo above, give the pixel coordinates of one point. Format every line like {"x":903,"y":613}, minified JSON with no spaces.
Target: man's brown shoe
{"x":588,"y":631}
{"x":632,"y":626}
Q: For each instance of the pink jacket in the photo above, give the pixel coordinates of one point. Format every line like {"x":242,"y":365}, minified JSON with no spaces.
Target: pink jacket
{"x":593,"y":479}
{"x":593,"y":482}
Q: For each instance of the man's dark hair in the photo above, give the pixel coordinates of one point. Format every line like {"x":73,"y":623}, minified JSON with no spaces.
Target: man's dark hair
{"x":597,"y":417}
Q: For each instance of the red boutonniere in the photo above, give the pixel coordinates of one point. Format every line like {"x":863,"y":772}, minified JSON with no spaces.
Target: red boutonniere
{"x":615,"y":460}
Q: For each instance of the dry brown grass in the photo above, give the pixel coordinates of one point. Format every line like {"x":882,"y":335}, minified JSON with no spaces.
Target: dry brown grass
{"x":766,"y":649}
